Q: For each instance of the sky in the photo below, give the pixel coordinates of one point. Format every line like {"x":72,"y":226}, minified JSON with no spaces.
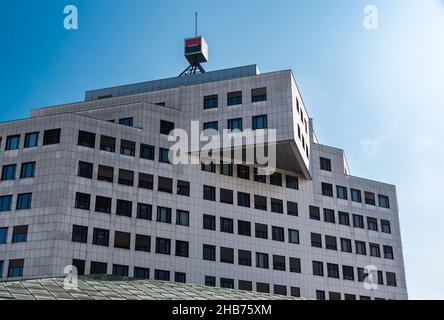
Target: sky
{"x":378,"y":94}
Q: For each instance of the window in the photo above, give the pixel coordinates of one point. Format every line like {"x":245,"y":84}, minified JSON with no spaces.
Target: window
{"x":146,"y":181}
{"x":388,"y":252}
{"x":8,"y":172}
{"x":210,"y":102}
{"x":276,"y":179}
{"x":181,"y":248}
{"x":126,"y":122}
{"x":105,"y":173}
{"x":15,"y":268}
{"x":292,"y":208}
{"x":213,"y":125}
{"x":226,"y":283}
{"x":244,"y":228}
{"x":210,"y":281}
{"x":259,"y":94}
{"x":259,"y":177}
{"x":51,"y":137}
{"x":384,"y":201}
{"x":279,"y":263}
{"x":226,"y":225}
{"x":235,"y":124}
{"x":143,"y":243}
{"x":344,"y":218}
{"x":83,"y":201}
{"x":12,"y":142}
{"x":295,"y":292}
{"x":372,"y":224}
{"x":147,"y":152}
{"x":3,"y":235}
{"x":330,"y":243}
{"x":244,"y":258}
{"x":341,"y":192}
{"x":261,"y":260}
{"x":320,"y":295}
{"x":346,"y":245}
{"x":234,"y":98}
{"x":128,"y":148}
{"x":163,"y":246}
{"x":164,"y":214}
{"x":226,"y":169}
{"x":261,"y":231}
{"x":144,"y":211}
{"x":226,"y":196}
{"x":103,"y":204}
{"x":380,"y":278}
{"x":85,"y":170}
{"x":329,"y":215}
{"x":374,"y":250}
{"x":120,"y":270}
{"x":122,"y":240}
{"x":292,"y":182}
{"x":209,"y":167}
{"x":165,"y":185}
{"x":226,"y":255}
{"x":27,"y":170}
{"x":293,"y":236}
{"x":390,"y":279}
{"x":356,"y":195}
{"x":260,"y":122}
{"x":183,"y":188}
{"x":316,"y":240}
{"x":98,"y":267}
{"x":318,"y":268}
{"x":209,"y":193}
{"x":79,"y":234}
{"x":180,"y":277}
{"x":369,"y":198}
{"x":87,"y":139}
{"x":278,"y":234}
{"x":209,"y":252}
{"x":19,"y":234}
{"x":332,"y":270}
{"x":262,"y":287}
{"x":277,"y":206}
{"x":295,"y":265}
{"x":166,"y":127}
{"x":164,"y":155}
{"x":334,"y":296}
{"x":5,"y":203}
{"x":243,"y":199}
{"x":161,"y":275}
{"x":245,"y":285}
{"x":182,"y":218}
{"x":314,"y":213}
{"x":101,"y":237}
{"x":209,"y":222}
{"x":360,"y":248}
{"x":124,"y":208}
{"x":31,"y":140}
{"x":327,"y":189}
{"x":358,"y":221}
{"x":348,"y":296}
{"x":260,"y":202}
{"x":243,"y":172}
{"x":385,"y":226}
{"x":325,"y":164}
{"x":80,"y":266}
{"x":107,"y":143}
{"x":141,"y":273}
{"x":348,"y":273}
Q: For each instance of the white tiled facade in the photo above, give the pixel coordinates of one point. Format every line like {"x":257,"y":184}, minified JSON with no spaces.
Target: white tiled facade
{"x":49,"y":245}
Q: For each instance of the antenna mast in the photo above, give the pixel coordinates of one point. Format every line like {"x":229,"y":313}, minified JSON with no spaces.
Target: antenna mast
{"x":196,"y":24}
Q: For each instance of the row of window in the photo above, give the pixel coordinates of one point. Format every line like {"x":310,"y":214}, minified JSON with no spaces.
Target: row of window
{"x":19,"y":234}
{"x":27,"y":170}
{"x":320,"y":295}
{"x":342,"y":193}
{"x":31,"y":139}
{"x":24,"y":201}
{"x":15,"y":268}
{"x":234,"y":98}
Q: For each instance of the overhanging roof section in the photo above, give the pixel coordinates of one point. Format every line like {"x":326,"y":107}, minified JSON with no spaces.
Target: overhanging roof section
{"x":169,"y":83}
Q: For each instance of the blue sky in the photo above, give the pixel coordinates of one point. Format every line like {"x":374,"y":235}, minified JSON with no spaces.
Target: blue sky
{"x":377,"y":94}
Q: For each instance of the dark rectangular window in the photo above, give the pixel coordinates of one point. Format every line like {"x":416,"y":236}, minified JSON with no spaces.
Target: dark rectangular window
{"x":209,"y":252}
{"x":278,"y":234}
{"x":85,"y":170}
{"x":226,"y":196}
{"x":261,"y":231}
{"x":183,"y":188}
{"x":260,"y":122}
{"x":277,"y":206}
{"x":103,"y":204}
{"x":292,"y":182}
{"x":293,"y":236}
{"x":279,"y":263}
{"x":24,"y":201}
{"x":146,"y":181}
{"x":211,"y":102}
{"x":105,"y":173}
{"x":87,"y":139}
{"x":314,"y":213}
{"x":260,"y":202}
{"x":245,"y":285}
{"x":12,"y":142}
{"x":316,"y":240}
{"x":334,"y":296}
{"x":346,"y":245}
{"x":79,"y":234}
{"x":141,"y":273}
{"x":372,"y":224}
{"x":83,"y":201}
{"x":164,"y":155}
{"x":147,"y":152}
{"x":226,"y":169}
{"x":349,"y":297}
{"x":355,"y":195}
{"x":127,"y":148}
{"x":98,"y":268}
{"x":325,"y":164}
{"x":244,"y":258}
{"x":124,"y":208}
{"x":164,"y":214}
{"x":182,"y":218}
{"x":331,"y":243}
{"x":344,"y":218}
{"x":243,"y":199}
{"x":261,"y":260}
{"x":235,"y":124}
{"x":209,"y":167}
{"x":341,"y":192}
{"x":385,"y":226}
{"x":226,"y":225}
{"x":31,"y":140}
{"x":8,"y":172}
{"x":126,"y":177}
{"x":243,"y":172}
{"x":51,"y":137}
{"x":329,"y":215}
{"x":80,"y":266}
{"x":181,"y":248}
{"x":101,"y":237}
{"x":276,"y":179}
{"x":388,"y":252}
{"x":165,"y":185}
{"x":318,"y":268}
{"x":384,"y":201}
{"x":144,"y":211}
{"x":3,"y":236}
{"x":262,"y":287}
{"x":162,"y":275}
{"x":360,"y":248}
{"x":358,"y":221}
{"x":209,"y":222}
{"x":163,"y":246}
{"x":259,"y":94}
{"x":212,"y":125}
{"x":143,"y":243}
{"x":375,"y":250}
{"x":126,"y":122}
{"x":327,"y":189}
{"x":15,"y":268}
{"x":226,"y":283}
{"x":234,"y":98}
{"x":292,"y":208}
{"x":120,"y":270}
{"x":332,"y":270}
{"x":295,"y":265}
{"x":166,"y":127}
{"x":122,"y":240}
{"x":244,"y":228}
{"x":258,"y":177}
{"x":107,"y":143}
{"x":320,"y":295}
{"x":348,"y":273}
{"x":209,"y":193}
{"x":210,"y":281}
{"x":19,"y":234}
{"x":391,"y":279}
{"x":180,"y":277}
{"x":295,"y":292}
{"x":369,"y":198}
